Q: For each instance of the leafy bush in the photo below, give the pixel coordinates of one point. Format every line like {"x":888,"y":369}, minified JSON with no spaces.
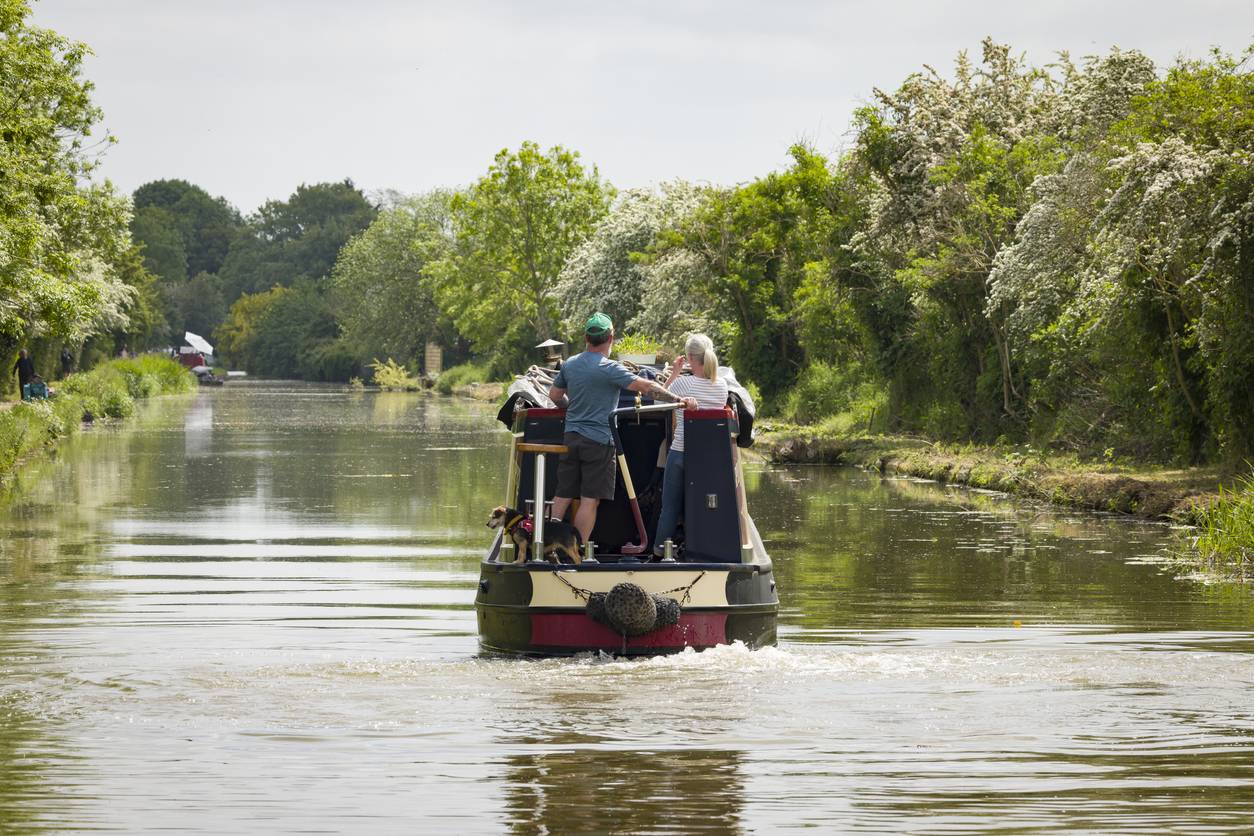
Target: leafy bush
{"x":638,"y":344}
{"x":831,"y":394}
{"x":109,"y":390}
{"x":1225,"y":538}
{"x":461,"y":375}
{"x":394,"y":377}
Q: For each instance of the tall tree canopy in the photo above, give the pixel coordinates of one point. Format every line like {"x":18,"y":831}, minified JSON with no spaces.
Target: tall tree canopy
{"x":62,"y":235}
{"x":204,"y":227}
{"x":382,"y":300}
{"x":513,"y":231}
{"x":296,"y":239}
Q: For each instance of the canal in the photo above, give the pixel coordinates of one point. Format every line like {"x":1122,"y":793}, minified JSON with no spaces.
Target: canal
{"x":251,"y":611}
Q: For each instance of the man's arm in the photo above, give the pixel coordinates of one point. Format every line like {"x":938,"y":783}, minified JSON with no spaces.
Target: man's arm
{"x":659,"y":392}
{"x":558,"y":396}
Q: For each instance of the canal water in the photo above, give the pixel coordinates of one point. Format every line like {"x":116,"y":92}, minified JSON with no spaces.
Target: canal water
{"x":251,"y":611}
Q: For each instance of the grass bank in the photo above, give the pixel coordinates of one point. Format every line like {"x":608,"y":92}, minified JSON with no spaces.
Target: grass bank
{"x":1152,"y":493}
{"x":107,"y":391}
{"x":470,"y":380}
{"x":1224,"y":538}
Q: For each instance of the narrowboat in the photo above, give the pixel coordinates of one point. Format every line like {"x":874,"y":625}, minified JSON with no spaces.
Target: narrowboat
{"x":713,"y":583}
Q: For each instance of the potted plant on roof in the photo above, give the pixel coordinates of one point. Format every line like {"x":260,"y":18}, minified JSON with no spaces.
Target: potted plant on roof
{"x":637,"y":349}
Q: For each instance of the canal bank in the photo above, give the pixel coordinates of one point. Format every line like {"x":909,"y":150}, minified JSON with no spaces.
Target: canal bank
{"x":109,"y":392}
{"x":1146,"y":492}
{"x":1216,"y":502}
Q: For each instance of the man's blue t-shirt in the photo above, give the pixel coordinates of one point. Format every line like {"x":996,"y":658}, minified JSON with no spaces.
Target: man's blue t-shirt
{"x":592,"y":382}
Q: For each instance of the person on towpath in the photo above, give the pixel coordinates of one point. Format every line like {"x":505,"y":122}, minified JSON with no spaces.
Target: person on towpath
{"x":588,"y":386}
{"x":25,"y":372}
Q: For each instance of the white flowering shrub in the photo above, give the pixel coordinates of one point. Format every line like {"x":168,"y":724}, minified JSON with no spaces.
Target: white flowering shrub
{"x":607,"y":272}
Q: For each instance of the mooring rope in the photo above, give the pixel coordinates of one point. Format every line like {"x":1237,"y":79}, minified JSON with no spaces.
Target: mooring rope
{"x":586,"y":594}
{"x":687,"y":590}
{"x":579,"y":592}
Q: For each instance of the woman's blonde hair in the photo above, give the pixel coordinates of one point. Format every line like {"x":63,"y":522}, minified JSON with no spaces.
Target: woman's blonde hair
{"x":699,"y":345}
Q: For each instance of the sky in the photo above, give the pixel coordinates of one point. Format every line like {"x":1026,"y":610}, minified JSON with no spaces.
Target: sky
{"x":251,"y":98}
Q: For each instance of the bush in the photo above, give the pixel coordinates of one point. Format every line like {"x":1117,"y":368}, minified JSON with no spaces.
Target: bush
{"x":109,"y":390}
{"x":461,"y":375}
{"x":1225,"y":538}
{"x":394,"y":377}
{"x":840,"y":398}
{"x":637,"y":344}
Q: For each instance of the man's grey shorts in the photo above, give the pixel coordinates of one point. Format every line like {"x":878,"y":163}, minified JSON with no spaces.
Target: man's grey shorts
{"x":587,"y":468}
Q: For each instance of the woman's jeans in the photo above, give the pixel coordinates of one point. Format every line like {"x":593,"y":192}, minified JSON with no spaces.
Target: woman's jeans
{"x":672,"y":499}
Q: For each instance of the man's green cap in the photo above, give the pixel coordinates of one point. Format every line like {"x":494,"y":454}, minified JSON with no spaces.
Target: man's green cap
{"x":598,"y":325}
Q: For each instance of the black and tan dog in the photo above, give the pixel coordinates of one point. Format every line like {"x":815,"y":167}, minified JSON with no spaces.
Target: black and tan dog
{"x":559,"y":538}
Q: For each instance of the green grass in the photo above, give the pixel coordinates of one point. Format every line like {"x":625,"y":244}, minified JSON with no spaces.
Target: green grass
{"x":1224,"y":540}
{"x":461,"y":375}
{"x":107,"y":391}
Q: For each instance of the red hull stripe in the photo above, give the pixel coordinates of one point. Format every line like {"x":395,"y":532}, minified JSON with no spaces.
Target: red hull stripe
{"x":699,"y":629}
{"x":707,"y":414}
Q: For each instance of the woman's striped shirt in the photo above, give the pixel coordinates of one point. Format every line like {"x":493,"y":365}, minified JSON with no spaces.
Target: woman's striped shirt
{"x":709,"y":395}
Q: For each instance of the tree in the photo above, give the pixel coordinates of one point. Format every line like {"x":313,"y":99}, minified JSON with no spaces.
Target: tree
{"x":607,"y":272}
{"x":384,"y":304}
{"x":513,"y":230}
{"x":756,"y":243}
{"x":197,"y":305}
{"x":60,"y":233}
{"x":205,"y":224}
{"x":156,"y":230}
{"x":297,"y":239}
{"x":234,"y":337}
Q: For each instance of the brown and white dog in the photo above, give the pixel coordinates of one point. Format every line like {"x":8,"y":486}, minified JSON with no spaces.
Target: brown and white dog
{"x":559,"y":538}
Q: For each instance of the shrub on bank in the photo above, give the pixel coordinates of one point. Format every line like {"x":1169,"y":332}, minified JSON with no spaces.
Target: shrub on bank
{"x":461,"y":375}
{"x":1224,"y":541}
{"x":839,"y":398}
{"x":109,"y":390}
{"x":393,"y":377}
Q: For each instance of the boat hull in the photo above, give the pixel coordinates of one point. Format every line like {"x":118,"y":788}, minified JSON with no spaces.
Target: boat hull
{"x":535,"y":609}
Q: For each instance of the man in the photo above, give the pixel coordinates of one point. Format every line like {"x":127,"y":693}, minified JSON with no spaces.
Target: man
{"x":67,"y":361}
{"x":588,"y":386}
{"x":25,"y":372}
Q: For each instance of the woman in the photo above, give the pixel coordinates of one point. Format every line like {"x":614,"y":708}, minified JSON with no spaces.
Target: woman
{"x":710,"y":393}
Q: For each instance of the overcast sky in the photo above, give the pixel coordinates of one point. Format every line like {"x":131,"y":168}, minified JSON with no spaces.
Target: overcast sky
{"x":249,"y":98}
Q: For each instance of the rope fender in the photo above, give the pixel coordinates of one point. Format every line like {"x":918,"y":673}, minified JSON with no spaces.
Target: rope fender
{"x":630,"y":611}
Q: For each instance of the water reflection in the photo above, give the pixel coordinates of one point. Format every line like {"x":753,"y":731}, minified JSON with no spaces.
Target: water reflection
{"x":623,"y":791}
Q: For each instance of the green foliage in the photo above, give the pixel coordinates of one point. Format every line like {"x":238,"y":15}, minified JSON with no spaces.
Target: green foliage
{"x":286,"y":332}
{"x":183,"y":228}
{"x":393,"y":377}
{"x":512,"y":231}
{"x":610,"y":271}
{"x":1225,"y":531}
{"x":638,"y":344}
{"x":462,"y":375}
{"x":756,"y":243}
{"x":109,"y":390}
{"x":60,"y":232}
{"x":382,"y":299}
{"x":827,"y":393}
{"x":156,"y":230}
{"x":296,"y":240}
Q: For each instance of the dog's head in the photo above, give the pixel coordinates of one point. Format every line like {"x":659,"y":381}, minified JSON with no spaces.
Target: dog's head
{"x":498,"y":517}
